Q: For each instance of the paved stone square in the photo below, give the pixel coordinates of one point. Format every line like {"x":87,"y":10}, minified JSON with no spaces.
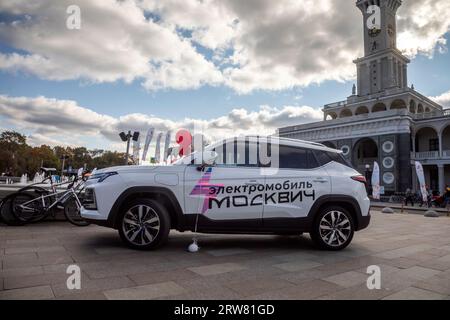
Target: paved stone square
{"x":412,"y":251}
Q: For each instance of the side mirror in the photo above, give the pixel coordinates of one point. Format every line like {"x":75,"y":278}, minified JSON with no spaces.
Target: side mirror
{"x":206,"y":158}
{"x":209,"y":157}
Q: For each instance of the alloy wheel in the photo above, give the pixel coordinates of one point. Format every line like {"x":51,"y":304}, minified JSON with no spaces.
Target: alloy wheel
{"x":141,"y":225}
{"x":335,"y":228}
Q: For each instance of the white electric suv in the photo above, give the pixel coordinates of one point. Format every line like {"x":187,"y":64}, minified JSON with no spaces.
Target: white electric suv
{"x":240,"y":185}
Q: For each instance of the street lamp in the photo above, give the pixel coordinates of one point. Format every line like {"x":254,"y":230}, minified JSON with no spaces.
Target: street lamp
{"x":367,"y":171}
{"x":126,"y":138}
{"x":367,"y":174}
{"x":63,"y":159}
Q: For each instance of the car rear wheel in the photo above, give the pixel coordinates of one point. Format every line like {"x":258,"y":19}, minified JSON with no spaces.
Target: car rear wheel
{"x":333,"y":228}
{"x":144,"y":224}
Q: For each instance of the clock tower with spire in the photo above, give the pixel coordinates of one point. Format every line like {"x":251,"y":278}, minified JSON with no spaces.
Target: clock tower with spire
{"x":383,"y":65}
{"x":384,"y":120}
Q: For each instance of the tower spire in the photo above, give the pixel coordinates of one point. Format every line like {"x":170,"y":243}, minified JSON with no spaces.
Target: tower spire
{"x":383,"y":66}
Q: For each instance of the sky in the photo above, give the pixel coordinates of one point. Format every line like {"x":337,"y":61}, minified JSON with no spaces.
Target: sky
{"x":227,"y":67}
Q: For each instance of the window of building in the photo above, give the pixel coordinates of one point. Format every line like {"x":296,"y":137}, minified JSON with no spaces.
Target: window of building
{"x":434,"y":145}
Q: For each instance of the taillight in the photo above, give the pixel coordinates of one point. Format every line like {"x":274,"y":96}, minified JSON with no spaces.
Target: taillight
{"x":360,"y":178}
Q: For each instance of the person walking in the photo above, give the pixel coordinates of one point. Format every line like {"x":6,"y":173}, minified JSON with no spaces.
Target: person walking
{"x":409,"y":197}
{"x":446,"y":196}
{"x":429,"y":198}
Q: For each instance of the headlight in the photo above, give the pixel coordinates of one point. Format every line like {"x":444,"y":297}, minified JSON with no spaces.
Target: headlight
{"x":102,"y":176}
{"x":89,"y":202}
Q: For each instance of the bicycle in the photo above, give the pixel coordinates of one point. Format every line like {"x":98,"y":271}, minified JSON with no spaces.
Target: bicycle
{"x":27,"y":208}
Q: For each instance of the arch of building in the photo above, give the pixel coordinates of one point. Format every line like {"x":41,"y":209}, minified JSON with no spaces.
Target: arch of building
{"x":398,"y":104}
{"x":361,"y":110}
{"x":331,"y":116}
{"x":420,"y":108}
{"x":365,"y":152}
{"x":434,"y":138}
{"x":427,"y":110}
{"x":445,"y":138}
{"x":379,"y":107}
{"x":412,"y":106}
{"x":345,"y":113}
{"x":426,"y":139}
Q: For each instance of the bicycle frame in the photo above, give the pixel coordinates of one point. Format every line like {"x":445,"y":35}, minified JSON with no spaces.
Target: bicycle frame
{"x":42,"y":198}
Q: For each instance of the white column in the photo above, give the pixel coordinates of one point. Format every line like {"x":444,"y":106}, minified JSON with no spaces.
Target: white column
{"x":441,"y":177}
{"x":379,"y":75}
{"x":405,"y":76}
{"x":359,"y":79}
{"x":397,"y":77}
{"x":390,"y":72}
{"x":440,"y":145}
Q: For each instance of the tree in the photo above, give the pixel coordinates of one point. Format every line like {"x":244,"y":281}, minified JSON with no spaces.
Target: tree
{"x":17,"y":157}
{"x":12,"y":139}
{"x":12,"y":146}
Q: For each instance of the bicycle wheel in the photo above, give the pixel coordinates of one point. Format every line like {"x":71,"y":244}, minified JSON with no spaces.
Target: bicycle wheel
{"x":72,"y":213}
{"x":7,"y":215}
{"x":27,"y":207}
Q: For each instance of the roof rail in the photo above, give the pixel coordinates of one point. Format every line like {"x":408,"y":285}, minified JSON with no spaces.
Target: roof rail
{"x":293,"y":140}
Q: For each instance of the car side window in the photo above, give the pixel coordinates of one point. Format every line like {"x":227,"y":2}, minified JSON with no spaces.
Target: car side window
{"x":237,"y":154}
{"x":337,"y":157}
{"x":296,"y":158}
{"x":322,"y":157}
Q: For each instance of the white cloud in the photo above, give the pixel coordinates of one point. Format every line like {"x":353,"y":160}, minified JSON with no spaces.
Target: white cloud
{"x":183,"y":44}
{"x":115,"y":42}
{"x":422,"y":25}
{"x":443,"y":99}
{"x":53,"y":121}
{"x":37,"y":139}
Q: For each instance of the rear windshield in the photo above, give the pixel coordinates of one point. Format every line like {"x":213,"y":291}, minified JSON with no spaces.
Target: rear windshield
{"x":324,"y":157}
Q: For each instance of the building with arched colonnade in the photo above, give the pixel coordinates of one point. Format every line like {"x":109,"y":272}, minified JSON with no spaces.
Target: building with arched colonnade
{"x":384,"y":119}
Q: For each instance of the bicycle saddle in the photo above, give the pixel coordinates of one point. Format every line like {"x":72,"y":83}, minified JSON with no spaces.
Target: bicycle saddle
{"x":40,"y":191}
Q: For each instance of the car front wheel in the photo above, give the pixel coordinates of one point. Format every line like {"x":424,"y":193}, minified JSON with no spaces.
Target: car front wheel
{"x":333,"y":229}
{"x":144,"y":224}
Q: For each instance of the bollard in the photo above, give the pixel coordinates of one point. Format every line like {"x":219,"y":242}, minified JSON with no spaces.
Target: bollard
{"x":387,"y":210}
{"x":432,"y":214}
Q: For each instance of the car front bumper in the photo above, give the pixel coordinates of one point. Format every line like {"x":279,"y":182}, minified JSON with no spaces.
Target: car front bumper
{"x":94,"y":217}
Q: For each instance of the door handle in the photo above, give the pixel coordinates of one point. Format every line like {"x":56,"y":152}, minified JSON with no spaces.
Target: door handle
{"x":252,"y":183}
{"x":321,"y":180}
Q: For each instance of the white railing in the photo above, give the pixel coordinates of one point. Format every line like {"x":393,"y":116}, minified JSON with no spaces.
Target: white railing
{"x":425,"y":155}
{"x":335,"y":104}
{"x":446,"y":154}
{"x":428,"y":115}
{"x":432,"y":114}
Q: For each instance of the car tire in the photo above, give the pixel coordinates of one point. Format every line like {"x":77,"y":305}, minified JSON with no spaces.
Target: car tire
{"x":144,"y":224}
{"x":333,"y":228}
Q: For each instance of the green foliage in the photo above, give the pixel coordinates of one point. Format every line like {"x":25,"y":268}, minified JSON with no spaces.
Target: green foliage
{"x":17,"y":157}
